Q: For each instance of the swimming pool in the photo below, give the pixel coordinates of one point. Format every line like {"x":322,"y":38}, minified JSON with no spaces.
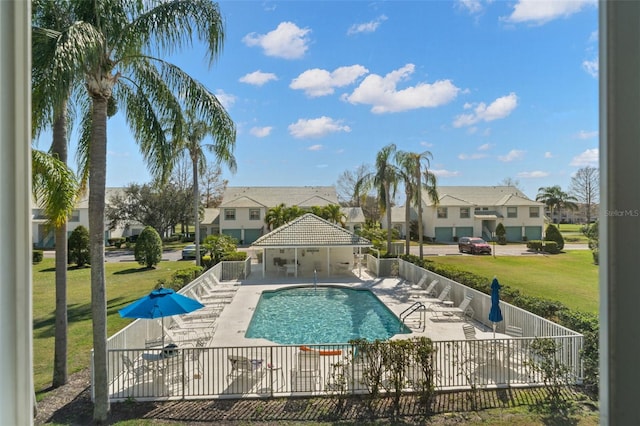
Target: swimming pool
{"x":304,"y":315}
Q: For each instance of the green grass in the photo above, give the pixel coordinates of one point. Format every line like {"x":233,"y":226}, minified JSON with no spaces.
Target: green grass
{"x":126,"y":282}
{"x":570,"y":277}
{"x":572,"y":233}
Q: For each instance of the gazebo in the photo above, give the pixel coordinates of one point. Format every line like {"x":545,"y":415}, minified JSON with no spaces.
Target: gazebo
{"x":309,"y":245}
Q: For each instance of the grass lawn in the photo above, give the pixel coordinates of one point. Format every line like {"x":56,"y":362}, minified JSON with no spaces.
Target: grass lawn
{"x":126,"y":282}
{"x":572,"y":233}
{"x":569,"y":277}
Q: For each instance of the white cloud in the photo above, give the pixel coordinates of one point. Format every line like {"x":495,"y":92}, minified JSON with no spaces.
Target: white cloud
{"x":384,"y":96}
{"x":316,"y":127}
{"x":541,"y":12}
{"x":513,"y":155}
{"x":287,"y":41}
{"x":471,"y":6}
{"x":548,"y":154}
{"x":500,"y":108}
{"x":475,"y":156}
{"x":591,"y":67}
{"x":367,"y":27}
{"x":258,"y":78}
{"x":532,"y":175}
{"x":583,"y":134}
{"x":261,"y":132}
{"x":318,"y":82}
{"x":443,"y":173}
{"x":587,"y":158}
{"x":426,"y":144}
{"x":317,"y":147}
{"x":225,"y":99}
{"x":485,"y":147}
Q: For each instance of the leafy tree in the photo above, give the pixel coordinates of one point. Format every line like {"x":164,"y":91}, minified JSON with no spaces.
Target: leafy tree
{"x":275,"y":216}
{"x":385,"y":181}
{"x":112,"y":52}
{"x":553,"y":234}
{"x":411,"y":172}
{"x":148,"y":249}
{"x":331,"y":212}
{"x":218,"y":245}
{"x":555,"y":198}
{"x":585,"y":186}
{"x":214,"y":187}
{"x":79,"y":246}
{"x":592,"y":232}
{"x":162,"y":207}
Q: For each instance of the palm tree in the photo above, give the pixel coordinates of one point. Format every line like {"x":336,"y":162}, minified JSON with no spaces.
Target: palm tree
{"x":555,"y":198}
{"x":120,"y":72}
{"x":51,"y":93}
{"x":333,"y":213}
{"x":412,"y":174}
{"x":191,"y":142}
{"x":385,"y":181}
{"x":275,"y":216}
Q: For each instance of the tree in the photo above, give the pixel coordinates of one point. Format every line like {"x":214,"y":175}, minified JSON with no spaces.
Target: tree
{"x":79,"y":247}
{"x":508,"y":181}
{"x":411,"y":172}
{"x":501,"y":233}
{"x":190,"y":141}
{"x":275,"y":216}
{"x":112,"y":51}
{"x":585,"y":187}
{"x":219,"y":245}
{"x":555,"y":198}
{"x":148,"y":249}
{"x":333,"y":213}
{"x":161,"y":207}
{"x":51,"y":92}
{"x":385,"y":181}
{"x":214,"y":187}
{"x":553,"y":234}
{"x":346,"y":184}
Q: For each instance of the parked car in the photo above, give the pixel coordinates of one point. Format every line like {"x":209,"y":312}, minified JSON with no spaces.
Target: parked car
{"x":473,"y":245}
{"x":189,"y":252}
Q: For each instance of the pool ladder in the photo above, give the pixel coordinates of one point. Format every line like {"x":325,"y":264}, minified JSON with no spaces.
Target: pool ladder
{"x":415,"y":307}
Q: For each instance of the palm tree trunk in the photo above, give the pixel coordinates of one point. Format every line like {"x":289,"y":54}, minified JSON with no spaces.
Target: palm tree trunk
{"x":97,"y":183}
{"x":407,"y":223}
{"x":60,"y":373}
{"x":388,"y":212}
{"x":196,"y":204}
{"x":420,"y":231}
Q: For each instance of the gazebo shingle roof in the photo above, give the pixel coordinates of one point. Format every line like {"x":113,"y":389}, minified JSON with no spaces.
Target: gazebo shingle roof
{"x":310,"y":230}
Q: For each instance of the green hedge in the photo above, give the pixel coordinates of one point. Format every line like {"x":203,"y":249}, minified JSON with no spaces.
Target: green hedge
{"x":37,"y":256}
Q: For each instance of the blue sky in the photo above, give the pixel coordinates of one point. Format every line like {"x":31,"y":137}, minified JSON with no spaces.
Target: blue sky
{"x":494,"y":89}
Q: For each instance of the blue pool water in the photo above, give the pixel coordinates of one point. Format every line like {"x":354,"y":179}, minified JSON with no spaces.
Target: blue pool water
{"x":304,"y":315}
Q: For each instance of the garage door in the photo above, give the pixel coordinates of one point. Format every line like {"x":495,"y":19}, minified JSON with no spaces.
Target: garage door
{"x":444,"y":233}
{"x":513,"y":233}
{"x":533,"y":232}
{"x":250,"y":235}
{"x":235,"y":233}
{"x":464,"y":231}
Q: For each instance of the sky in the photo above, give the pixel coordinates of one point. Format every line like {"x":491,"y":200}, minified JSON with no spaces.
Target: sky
{"x":493,"y":89}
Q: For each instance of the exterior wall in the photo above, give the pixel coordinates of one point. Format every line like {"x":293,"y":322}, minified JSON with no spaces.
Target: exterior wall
{"x":242,"y":222}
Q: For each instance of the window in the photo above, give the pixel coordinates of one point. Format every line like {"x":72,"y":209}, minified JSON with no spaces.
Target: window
{"x":254,"y":214}
{"x":442,"y":212}
{"x":512,"y":212}
{"x":229,"y":214}
{"x":75,"y":216}
{"x":534,"y":211}
{"x":38,"y":214}
{"x":464,"y":212}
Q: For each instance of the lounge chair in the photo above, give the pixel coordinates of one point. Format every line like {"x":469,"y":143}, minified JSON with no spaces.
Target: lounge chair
{"x":244,"y":375}
{"x":419,"y":290}
{"x":136,"y":372}
{"x":305,"y":377}
{"x":462,"y":310}
{"x":439,"y":300}
{"x":513,"y":331}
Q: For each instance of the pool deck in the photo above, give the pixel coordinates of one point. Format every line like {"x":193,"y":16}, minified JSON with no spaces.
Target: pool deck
{"x":393,"y":292}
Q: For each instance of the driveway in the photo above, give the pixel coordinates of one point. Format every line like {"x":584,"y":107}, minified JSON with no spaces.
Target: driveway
{"x":506,"y":250}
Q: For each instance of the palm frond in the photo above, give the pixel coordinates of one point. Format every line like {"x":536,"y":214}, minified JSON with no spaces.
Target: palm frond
{"x":54,"y":186}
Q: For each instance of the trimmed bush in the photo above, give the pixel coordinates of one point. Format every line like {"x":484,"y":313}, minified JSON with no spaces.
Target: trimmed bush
{"x":116,"y":241}
{"x":37,"y":256}
{"x":148,"y":250}
{"x":551,"y":247}
{"x":535,"y":245}
{"x":553,"y":234}
{"x":78,"y":246}
{"x":501,"y":233}
{"x":235,"y":256}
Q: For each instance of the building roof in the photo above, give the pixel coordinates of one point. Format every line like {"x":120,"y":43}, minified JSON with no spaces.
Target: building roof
{"x":353,"y":214}
{"x":310,"y":230}
{"x":271,"y":196}
{"x":481,"y":196}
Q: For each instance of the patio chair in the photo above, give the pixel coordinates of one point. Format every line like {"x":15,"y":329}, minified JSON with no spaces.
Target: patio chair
{"x":132,"y":371}
{"x":440,"y":299}
{"x":513,"y":331}
{"x":305,"y":377}
{"x":419,"y":290}
{"x":245,"y":373}
{"x":463,"y":310}
{"x":479,"y":351}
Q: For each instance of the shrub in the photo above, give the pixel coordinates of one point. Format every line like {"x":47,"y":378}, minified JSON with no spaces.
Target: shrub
{"x":219,"y":245}
{"x":535,"y":245}
{"x":551,"y":247}
{"x":524,"y":238}
{"x":116,"y":241}
{"x":181,"y":277}
{"x":235,"y":256}
{"x":148,"y":250}
{"x":553,"y":234}
{"x":78,"y":246}
{"x":37,"y":256}
{"x":501,"y":233}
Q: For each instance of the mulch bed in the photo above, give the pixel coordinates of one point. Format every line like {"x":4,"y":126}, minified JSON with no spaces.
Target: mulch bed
{"x":71,"y":405}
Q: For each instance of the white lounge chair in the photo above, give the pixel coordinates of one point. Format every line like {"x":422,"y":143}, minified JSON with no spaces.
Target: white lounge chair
{"x":305,"y":377}
{"x":444,"y":294}
{"x":422,"y":291}
{"x":462,"y":310}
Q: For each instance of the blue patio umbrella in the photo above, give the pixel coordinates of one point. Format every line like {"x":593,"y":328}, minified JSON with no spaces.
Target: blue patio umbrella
{"x":495,"y":314}
{"x":160,"y":303}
